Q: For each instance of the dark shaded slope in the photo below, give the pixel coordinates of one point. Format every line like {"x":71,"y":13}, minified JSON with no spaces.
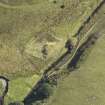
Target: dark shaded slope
{"x":90,"y":41}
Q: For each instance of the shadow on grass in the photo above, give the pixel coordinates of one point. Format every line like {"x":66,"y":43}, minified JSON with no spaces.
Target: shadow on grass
{"x":41,"y":92}
{"x":90,"y":41}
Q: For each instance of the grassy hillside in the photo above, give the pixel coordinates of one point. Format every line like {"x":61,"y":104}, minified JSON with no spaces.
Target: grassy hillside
{"x":85,"y":86}
{"x":25,"y":27}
